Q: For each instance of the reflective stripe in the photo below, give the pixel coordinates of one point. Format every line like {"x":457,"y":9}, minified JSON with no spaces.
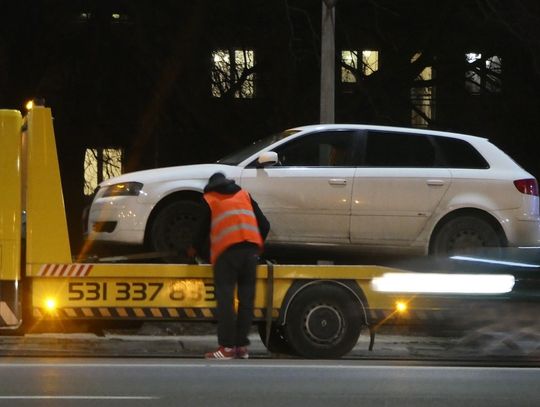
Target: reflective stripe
{"x":233,"y":228}
{"x":233,"y":221}
{"x":232,"y":213}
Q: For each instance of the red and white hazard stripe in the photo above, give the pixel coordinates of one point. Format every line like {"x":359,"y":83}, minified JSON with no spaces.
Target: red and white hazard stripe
{"x":7,"y":315}
{"x":64,"y":270}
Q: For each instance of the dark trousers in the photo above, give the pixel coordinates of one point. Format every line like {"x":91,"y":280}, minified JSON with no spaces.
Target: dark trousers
{"x":235,"y":267}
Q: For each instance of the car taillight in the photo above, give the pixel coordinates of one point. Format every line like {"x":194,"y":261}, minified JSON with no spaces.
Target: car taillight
{"x":527,"y":186}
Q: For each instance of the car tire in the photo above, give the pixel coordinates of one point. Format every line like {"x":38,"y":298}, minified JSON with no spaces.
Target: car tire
{"x":324,"y":321}
{"x":466,"y":235}
{"x":173,"y":229}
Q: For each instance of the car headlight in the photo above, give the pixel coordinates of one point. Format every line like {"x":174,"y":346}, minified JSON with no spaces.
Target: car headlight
{"x":123,"y":189}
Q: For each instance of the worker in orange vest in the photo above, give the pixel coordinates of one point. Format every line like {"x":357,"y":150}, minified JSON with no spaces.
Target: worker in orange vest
{"x":237,"y":229}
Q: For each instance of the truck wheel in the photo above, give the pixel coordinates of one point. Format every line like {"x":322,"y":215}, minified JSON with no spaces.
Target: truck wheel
{"x":465,"y":234}
{"x":324,"y":321}
{"x":277,"y":343}
{"x":173,"y":228}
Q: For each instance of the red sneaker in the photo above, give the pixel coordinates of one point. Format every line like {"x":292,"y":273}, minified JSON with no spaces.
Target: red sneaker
{"x":222,"y":353}
{"x":242,"y":352}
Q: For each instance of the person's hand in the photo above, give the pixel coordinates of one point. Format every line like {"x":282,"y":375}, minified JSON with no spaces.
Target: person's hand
{"x":191,"y":252}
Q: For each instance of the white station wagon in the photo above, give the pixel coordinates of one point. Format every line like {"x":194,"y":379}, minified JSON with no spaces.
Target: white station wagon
{"x":372,"y":188}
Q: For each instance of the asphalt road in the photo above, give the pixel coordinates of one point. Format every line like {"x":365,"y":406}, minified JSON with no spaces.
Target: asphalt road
{"x":507,"y":340}
{"x":190,"y":382}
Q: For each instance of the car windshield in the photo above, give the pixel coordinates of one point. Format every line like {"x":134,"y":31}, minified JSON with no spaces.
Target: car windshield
{"x":239,"y":156}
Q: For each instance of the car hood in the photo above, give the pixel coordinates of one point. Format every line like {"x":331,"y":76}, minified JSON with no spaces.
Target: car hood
{"x":197,"y":171}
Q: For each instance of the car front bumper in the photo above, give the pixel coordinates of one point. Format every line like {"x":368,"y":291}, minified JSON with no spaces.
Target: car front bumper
{"x":117,"y":219}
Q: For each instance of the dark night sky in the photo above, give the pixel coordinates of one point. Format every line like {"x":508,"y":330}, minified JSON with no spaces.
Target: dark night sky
{"x":137,"y":74}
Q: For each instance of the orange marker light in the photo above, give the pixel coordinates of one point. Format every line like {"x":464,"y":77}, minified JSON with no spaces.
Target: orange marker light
{"x":50,"y":304}
{"x":401,"y":306}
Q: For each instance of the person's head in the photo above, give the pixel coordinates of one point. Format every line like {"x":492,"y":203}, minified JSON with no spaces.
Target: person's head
{"x":216,"y":180}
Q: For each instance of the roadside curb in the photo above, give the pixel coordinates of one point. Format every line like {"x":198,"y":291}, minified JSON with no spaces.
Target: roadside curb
{"x":387,"y":347}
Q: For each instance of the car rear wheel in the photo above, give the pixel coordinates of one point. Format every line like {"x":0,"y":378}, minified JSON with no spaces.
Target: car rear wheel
{"x":466,"y":235}
{"x":324,"y":321}
{"x":173,"y":229}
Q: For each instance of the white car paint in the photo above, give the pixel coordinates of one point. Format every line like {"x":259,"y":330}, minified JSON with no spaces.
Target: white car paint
{"x":317,"y":212}
{"x":386,"y":208}
{"x":393,"y":205}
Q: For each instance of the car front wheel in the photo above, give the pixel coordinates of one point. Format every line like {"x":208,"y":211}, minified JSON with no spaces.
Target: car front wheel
{"x":173,"y":229}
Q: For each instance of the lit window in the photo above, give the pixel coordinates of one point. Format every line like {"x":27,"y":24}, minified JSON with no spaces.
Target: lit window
{"x":350,"y":68}
{"x":232,"y":71}
{"x":484,"y":75}
{"x":370,"y":62}
{"x":99,"y":165}
{"x":472,"y":57}
{"x":118,"y":17}
{"x":85,"y":16}
{"x":349,"y":65}
{"x":472,"y":77}
{"x":422,"y":94}
{"x":493,"y":74}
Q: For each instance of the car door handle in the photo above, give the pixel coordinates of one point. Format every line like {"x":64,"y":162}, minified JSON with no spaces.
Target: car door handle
{"x":337,"y":181}
{"x":435,"y":182}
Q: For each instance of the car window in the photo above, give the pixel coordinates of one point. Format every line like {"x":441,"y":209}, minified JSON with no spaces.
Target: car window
{"x":391,"y":149}
{"x":321,"y":149}
{"x":239,"y":156}
{"x":458,"y":153}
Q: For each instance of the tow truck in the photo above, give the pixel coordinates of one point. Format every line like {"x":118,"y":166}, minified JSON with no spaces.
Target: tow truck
{"x":315,"y":311}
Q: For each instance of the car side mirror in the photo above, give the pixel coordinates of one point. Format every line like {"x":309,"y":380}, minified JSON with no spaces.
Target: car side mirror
{"x":267,"y":159}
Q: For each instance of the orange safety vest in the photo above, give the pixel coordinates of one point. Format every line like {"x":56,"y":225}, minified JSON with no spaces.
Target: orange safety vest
{"x":233,"y":221}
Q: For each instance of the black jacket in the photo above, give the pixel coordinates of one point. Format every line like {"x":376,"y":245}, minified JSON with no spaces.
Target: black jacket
{"x":201,"y":239}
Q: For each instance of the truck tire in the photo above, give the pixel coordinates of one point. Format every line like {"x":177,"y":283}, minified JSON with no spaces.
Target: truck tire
{"x":173,"y":229}
{"x":465,"y":235}
{"x":323,"y":321}
{"x":277,"y":343}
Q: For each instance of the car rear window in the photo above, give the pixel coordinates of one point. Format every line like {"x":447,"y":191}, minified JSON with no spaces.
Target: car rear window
{"x":392,"y":149}
{"x":458,"y":153}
